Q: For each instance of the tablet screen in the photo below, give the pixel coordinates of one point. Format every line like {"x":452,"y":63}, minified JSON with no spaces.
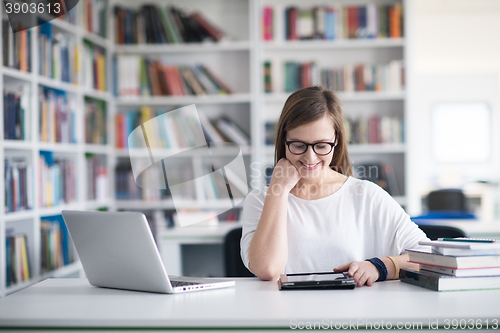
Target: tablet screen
{"x":315,"y":277}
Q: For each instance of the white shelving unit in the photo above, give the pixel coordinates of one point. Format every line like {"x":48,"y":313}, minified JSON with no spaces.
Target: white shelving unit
{"x":28,"y":221}
{"x":331,"y":54}
{"x":239,"y":60}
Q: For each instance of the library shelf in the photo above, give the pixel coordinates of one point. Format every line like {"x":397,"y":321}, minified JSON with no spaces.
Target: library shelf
{"x":19,"y":215}
{"x":236,"y":98}
{"x":17,"y":144}
{"x":56,"y":210}
{"x":95,"y":39}
{"x":148,"y":49}
{"x":333,"y":45}
{"x":194,"y":152}
{"x":65,"y":26}
{"x":97,"y":204}
{"x":97,"y":149}
{"x":97,"y":94}
{"x":17,"y":74}
{"x":59,"y":147}
{"x":56,"y":84}
{"x":357,"y":96}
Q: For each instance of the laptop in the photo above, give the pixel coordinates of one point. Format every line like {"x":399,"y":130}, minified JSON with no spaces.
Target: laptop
{"x":117,"y":250}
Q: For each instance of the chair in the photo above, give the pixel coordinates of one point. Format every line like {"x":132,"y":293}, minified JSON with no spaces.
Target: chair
{"x":234,"y":264}
{"x":451,"y":200}
{"x":441,"y":231}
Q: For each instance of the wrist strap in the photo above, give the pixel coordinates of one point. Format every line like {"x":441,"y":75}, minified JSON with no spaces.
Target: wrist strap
{"x":382,"y":270}
{"x":396,"y":266}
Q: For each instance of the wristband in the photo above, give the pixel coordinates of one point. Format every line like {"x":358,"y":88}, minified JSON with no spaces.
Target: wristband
{"x":382,"y":270}
{"x":396,"y":266}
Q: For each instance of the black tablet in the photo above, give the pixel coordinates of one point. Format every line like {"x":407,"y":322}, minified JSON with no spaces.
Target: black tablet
{"x":322,"y":280}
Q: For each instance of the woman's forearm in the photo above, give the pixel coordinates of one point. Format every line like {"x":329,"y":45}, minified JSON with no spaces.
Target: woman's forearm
{"x":268,"y":250}
{"x":402,"y":261}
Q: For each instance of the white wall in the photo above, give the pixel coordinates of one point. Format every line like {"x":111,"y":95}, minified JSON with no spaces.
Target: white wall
{"x":453,"y":55}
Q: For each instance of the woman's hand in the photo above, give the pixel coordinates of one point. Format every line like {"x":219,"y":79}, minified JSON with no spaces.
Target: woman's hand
{"x":362,"y":272}
{"x":285,"y":176}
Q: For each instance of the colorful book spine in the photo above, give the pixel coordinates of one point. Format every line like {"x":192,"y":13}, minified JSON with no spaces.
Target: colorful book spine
{"x":57,"y":116}
{"x":376,"y":130}
{"x":126,"y":188}
{"x":57,"y":180}
{"x":57,"y":249}
{"x":137,"y":76}
{"x":16,"y":47}
{"x":15,"y":111}
{"x":94,"y":16}
{"x":95,"y":121}
{"x":18,"y":262}
{"x":18,"y":178}
{"x":94,"y":73}
{"x":97,"y":177}
{"x":163,"y":25}
{"x":347,"y":22}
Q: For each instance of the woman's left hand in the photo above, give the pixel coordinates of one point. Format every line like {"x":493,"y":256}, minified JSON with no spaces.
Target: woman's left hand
{"x":362,"y":272}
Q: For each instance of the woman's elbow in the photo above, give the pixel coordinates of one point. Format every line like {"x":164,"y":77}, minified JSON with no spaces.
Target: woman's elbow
{"x":265,"y":273}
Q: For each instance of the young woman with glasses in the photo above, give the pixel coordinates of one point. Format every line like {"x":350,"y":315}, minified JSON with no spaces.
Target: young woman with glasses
{"x":315,"y":217}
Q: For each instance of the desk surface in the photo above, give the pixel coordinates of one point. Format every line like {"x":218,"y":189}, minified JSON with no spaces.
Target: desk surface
{"x":70,"y":303}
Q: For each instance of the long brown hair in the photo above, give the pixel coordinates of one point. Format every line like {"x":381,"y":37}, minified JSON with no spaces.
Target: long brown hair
{"x":305,"y":106}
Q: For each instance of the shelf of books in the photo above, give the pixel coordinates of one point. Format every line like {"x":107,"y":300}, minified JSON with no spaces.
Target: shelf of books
{"x":358,"y":52}
{"x":171,"y":55}
{"x":54,"y":129}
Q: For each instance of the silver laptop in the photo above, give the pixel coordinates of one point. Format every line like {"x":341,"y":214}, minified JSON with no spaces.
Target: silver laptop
{"x":117,"y":250}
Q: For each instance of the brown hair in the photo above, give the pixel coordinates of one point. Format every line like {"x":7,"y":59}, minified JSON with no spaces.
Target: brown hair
{"x":305,"y":106}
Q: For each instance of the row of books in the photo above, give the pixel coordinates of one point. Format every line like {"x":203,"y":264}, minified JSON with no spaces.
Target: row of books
{"x":214,"y":187}
{"x":330,"y":23}
{"x":57,"y":249}
{"x":17,"y":257}
{"x":94,"y":66}
{"x":16,"y":48}
{"x":57,"y":180}
{"x":15,"y":112}
{"x":138,"y":76}
{"x":375,"y":129}
{"x":95,"y":121}
{"x":94,"y":16}
{"x":57,"y":55}
{"x":349,"y":78}
{"x":456,"y":264}
{"x":57,"y":116}
{"x":18,"y":184}
{"x":159,"y":25}
{"x":126,"y":188}
{"x":97,"y":177}
{"x":179,"y":130}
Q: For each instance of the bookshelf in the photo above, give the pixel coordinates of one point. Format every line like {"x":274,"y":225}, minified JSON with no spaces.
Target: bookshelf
{"x":315,"y":50}
{"x":237,"y":60}
{"x":61,"y":138}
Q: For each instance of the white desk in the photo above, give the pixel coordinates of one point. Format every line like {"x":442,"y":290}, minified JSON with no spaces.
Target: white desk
{"x":73,"y":303}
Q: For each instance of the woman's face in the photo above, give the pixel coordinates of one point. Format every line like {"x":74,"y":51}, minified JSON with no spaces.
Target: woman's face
{"x":309,"y":164}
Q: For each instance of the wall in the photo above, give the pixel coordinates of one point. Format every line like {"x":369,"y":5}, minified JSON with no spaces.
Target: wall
{"x":453,"y":55}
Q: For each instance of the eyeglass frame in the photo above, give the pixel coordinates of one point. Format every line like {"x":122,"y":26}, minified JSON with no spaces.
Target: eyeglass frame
{"x":332,"y":144}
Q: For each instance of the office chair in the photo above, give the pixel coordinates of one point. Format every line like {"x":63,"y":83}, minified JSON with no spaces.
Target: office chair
{"x":441,"y":231}
{"x":234,"y":264}
{"x":451,"y":200}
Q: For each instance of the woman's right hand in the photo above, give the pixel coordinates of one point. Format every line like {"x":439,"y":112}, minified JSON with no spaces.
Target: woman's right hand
{"x":285,"y":177}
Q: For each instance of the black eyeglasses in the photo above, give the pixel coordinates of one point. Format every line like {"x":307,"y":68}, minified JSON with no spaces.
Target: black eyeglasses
{"x":319,"y":148}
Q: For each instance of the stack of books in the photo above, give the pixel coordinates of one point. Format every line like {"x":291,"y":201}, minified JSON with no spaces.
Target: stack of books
{"x":456,"y":264}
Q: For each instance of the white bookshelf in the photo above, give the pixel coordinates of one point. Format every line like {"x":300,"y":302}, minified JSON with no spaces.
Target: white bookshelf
{"x":240,"y":58}
{"x":331,"y":54}
{"x":28,"y":221}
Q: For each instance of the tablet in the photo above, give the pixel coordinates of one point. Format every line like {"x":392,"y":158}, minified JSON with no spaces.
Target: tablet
{"x":321,"y":280}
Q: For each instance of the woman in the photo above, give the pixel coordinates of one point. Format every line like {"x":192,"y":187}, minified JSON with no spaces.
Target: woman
{"x":314,"y":217}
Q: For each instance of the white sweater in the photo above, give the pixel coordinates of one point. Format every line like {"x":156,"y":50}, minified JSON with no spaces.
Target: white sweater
{"x":359,"y":221}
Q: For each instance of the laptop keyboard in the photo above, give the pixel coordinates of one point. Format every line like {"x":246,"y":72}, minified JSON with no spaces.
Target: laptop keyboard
{"x":182,"y":283}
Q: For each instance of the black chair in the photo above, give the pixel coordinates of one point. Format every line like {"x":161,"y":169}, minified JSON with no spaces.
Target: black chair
{"x":234,"y":264}
{"x":441,"y":231}
{"x":452,"y":200}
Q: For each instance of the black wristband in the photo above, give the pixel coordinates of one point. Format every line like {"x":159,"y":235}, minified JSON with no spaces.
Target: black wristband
{"x":382,"y":270}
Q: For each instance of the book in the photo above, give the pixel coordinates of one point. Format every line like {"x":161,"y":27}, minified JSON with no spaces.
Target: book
{"x":426,"y":257}
{"x":442,"y":282}
{"x":462,"y":272}
{"x":95,"y":121}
